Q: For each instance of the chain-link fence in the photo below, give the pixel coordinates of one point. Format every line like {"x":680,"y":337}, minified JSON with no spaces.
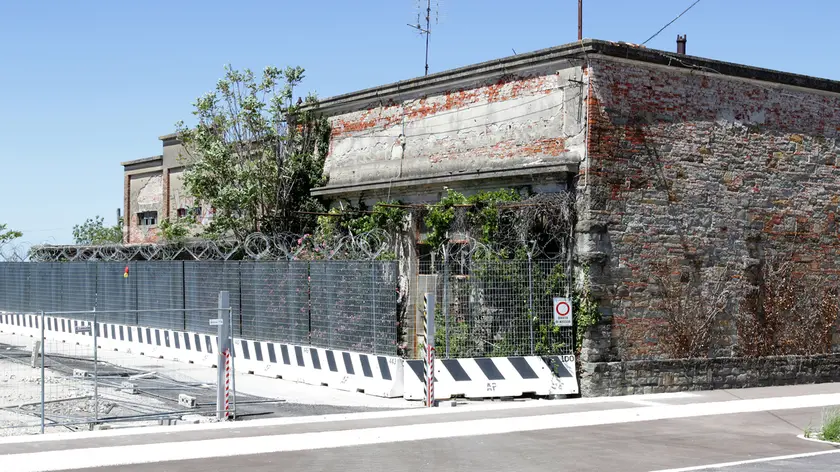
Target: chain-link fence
{"x":349,"y":305}
{"x":73,"y":370}
{"x":354,"y":306}
{"x":496,"y":308}
{"x":486,"y":307}
{"x":20,"y":384}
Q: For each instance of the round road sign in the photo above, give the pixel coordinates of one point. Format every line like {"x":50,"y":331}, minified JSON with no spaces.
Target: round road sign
{"x":563,"y":308}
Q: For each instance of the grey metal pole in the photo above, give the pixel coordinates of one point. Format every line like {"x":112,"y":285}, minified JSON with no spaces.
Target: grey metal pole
{"x":430,"y":319}
{"x":95,"y":368}
{"x":446,"y":298}
{"x":531,"y":302}
{"x":224,"y":344}
{"x":373,"y":299}
{"x":43,"y":379}
{"x":233,"y":364}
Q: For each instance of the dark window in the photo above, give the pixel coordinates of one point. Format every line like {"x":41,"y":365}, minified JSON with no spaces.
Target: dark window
{"x":182,"y":212}
{"x":197,"y":211}
{"x":147,"y":218}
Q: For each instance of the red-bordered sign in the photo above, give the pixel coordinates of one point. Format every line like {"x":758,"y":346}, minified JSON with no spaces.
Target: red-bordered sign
{"x":562,"y":311}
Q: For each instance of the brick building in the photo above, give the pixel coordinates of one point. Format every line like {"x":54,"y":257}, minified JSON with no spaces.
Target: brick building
{"x":153,"y":190}
{"x":672,"y":157}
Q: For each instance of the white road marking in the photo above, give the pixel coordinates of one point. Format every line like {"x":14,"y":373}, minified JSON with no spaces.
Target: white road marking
{"x":644,"y":402}
{"x":227,"y":447}
{"x":723,"y":465}
{"x":477,"y":407}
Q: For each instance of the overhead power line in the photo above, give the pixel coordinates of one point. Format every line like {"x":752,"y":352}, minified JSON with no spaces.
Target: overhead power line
{"x":669,"y":23}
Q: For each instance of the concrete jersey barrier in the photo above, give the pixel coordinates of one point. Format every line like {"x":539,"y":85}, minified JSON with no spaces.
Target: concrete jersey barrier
{"x":344,"y":370}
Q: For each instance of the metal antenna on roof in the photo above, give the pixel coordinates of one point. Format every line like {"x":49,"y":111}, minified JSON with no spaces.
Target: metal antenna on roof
{"x":580,"y":20}
{"x":427,"y":31}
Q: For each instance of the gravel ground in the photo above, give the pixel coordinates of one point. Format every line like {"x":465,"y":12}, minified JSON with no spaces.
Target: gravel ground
{"x":70,"y":399}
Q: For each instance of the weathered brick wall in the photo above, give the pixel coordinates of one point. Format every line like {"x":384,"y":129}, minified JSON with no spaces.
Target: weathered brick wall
{"x":498,"y":122}
{"x":685,"y":165}
{"x":659,"y":376}
{"x":145,"y":193}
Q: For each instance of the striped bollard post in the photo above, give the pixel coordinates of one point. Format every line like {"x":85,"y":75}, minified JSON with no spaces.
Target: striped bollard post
{"x":429,"y":345}
{"x":227,"y":385}
{"x":223,"y":361}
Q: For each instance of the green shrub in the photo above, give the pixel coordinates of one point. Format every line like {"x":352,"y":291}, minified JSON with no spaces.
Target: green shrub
{"x":831,"y":426}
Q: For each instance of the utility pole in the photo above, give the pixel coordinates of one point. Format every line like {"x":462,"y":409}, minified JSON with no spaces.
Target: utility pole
{"x":580,"y":20}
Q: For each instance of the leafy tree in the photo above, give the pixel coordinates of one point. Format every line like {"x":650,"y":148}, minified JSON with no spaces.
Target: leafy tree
{"x":254,"y":154}
{"x":7,"y":235}
{"x":93,"y":232}
{"x":174,"y":230}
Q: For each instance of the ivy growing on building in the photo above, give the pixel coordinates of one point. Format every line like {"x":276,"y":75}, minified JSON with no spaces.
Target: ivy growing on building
{"x":481,"y":210}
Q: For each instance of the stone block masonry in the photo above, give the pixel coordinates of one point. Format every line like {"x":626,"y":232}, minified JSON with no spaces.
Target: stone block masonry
{"x":680,"y":162}
{"x":690,"y":166}
{"x":658,"y":376}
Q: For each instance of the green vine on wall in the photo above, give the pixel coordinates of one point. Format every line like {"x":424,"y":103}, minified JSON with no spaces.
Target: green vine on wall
{"x":509,"y":274}
{"x":586,"y":312}
{"x":385,"y":216}
{"x":482,"y":212}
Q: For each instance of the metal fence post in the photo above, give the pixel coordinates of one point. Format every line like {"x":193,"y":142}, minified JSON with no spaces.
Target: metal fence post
{"x":531,"y":302}
{"x":224,"y":348}
{"x":446,"y":298}
{"x":43,"y":377}
{"x":95,"y":367}
{"x":373,"y":311}
{"x":233,"y":362}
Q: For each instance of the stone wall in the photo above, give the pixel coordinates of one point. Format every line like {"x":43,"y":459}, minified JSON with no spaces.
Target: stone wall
{"x":688,"y":166}
{"x":658,"y":376}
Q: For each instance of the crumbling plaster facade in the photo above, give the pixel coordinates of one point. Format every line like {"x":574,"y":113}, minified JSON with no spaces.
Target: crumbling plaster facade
{"x":486,"y":127}
{"x":156,"y":184}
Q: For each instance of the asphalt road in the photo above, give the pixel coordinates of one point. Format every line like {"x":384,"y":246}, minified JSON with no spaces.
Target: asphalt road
{"x":649,"y":433}
{"x":822,"y":463}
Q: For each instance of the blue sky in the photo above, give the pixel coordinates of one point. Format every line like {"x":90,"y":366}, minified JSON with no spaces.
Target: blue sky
{"x":85,"y":85}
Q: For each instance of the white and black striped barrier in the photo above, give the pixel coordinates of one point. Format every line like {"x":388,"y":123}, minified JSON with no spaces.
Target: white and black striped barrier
{"x":384,"y":376}
{"x":344,"y":370}
{"x":494,"y":377}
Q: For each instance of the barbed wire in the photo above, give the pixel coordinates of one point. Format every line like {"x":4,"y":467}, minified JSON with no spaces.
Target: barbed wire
{"x":539,"y":227}
{"x":12,"y":252}
{"x":257,"y":246}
